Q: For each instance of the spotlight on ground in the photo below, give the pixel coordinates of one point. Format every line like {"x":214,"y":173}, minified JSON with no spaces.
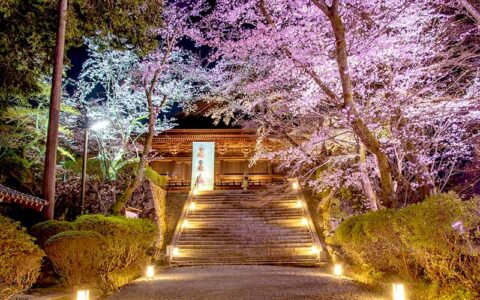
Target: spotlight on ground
{"x":337,"y":270}
{"x":150,"y":272}
{"x":83,"y":295}
{"x":398,"y":291}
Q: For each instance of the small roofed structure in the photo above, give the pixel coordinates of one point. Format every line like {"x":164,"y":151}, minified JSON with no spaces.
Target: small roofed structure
{"x":8,"y":195}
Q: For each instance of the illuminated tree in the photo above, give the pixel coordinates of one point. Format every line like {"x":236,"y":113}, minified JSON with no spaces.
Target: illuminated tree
{"x":332,"y":78}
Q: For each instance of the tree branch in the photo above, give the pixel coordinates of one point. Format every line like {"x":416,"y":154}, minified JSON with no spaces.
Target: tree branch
{"x":471,"y":10}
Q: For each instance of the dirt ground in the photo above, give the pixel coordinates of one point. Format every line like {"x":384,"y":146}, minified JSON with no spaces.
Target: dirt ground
{"x":245,"y":282}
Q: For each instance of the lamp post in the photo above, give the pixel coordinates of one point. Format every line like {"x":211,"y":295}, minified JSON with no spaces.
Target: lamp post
{"x":94,"y":126}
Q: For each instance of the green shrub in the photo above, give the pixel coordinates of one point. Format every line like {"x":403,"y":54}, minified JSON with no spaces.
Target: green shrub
{"x":20,"y":259}
{"x":371,"y":243}
{"x":440,"y":232}
{"x":45,"y":230}
{"x":433,"y":241}
{"x":74,"y":255}
{"x":108,"y":251}
{"x":128,"y":244}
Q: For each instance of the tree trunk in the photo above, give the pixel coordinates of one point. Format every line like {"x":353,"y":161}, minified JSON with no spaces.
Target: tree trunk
{"x":367,"y":185}
{"x":140,"y":173}
{"x":358,"y":126}
{"x":49,"y":172}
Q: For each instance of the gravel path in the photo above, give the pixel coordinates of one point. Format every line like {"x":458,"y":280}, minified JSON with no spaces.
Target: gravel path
{"x":245,"y":282}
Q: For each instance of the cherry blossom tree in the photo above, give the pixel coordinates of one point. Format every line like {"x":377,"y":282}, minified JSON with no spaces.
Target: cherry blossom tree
{"x":168,"y":75}
{"x":380,"y":93}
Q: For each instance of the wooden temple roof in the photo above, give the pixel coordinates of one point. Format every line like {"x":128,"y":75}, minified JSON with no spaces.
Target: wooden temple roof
{"x":8,"y":195}
{"x":206,"y":135}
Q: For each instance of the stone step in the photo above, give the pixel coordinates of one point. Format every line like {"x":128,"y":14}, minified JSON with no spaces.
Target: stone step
{"x":243,"y":227}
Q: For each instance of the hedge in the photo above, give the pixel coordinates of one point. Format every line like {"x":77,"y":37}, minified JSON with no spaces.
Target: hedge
{"x":112,"y":250}
{"x":45,"y":230}
{"x":74,"y":255}
{"x":435,"y":241}
{"x":20,"y":259}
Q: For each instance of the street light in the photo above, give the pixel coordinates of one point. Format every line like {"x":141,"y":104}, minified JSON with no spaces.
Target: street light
{"x":97,"y":125}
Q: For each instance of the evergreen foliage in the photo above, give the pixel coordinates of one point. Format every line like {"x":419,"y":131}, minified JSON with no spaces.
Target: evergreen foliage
{"x":28,"y":31}
{"x":435,"y":241}
{"x":107,"y":251}
{"x":20,"y":259}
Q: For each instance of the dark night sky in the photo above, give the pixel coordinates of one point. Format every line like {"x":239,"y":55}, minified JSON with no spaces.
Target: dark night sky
{"x":78,"y":56}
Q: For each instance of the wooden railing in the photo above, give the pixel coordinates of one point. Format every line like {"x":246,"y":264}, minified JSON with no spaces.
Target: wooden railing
{"x":225,"y":182}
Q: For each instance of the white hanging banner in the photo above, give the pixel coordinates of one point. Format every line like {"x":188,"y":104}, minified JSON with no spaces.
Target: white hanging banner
{"x":203,"y":164}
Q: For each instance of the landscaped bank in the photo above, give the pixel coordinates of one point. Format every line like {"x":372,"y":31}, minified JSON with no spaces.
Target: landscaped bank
{"x":432,"y":246}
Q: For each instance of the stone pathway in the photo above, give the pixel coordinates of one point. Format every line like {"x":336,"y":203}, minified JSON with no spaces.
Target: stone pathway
{"x":245,"y":282}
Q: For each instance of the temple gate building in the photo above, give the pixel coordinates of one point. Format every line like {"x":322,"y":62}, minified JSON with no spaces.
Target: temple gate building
{"x":220,"y":222}
{"x":220,"y":157}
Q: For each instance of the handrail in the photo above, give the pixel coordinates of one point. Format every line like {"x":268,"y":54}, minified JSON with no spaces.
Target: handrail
{"x":178,"y":228}
{"x":311,"y":226}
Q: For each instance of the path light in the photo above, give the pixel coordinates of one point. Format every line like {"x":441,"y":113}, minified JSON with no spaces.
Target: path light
{"x":150,"y":272}
{"x":299,"y":204}
{"x":304,"y":221}
{"x":398,"y":291}
{"x":314,"y":250}
{"x":337,"y":270}
{"x":192,"y":206}
{"x":83,"y":295}
{"x":176,"y":251}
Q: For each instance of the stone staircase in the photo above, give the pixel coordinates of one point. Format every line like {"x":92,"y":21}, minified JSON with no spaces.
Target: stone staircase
{"x":244,"y":227}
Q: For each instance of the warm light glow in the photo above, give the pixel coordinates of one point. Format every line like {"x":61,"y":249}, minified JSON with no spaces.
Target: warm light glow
{"x":195,"y":191}
{"x":314,"y":250}
{"x":83,"y":295}
{"x":150,"y":272}
{"x":186,"y":224}
{"x":299,"y":204}
{"x":398,"y":291}
{"x":192,"y":206}
{"x":295,"y":185}
{"x":337,"y":270}
{"x":175,"y":251}
{"x":98,"y":125}
{"x":304,"y":221}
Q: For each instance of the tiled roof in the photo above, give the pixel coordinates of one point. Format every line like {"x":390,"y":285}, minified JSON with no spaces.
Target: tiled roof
{"x":8,"y":195}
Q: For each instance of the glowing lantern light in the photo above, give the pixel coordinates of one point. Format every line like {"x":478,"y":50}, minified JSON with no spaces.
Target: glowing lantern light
{"x":314,"y":250}
{"x":186,"y":224}
{"x":398,"y":291}
{"x":83,"y":295}
{"x":150,"y":272}
{"x":337,"y":270}
{"x":175,"y":251}
{"x":304,"y":221}
{"x":192,"y":206}
{"x":295,"y":185}
{"x":299,"y":204}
